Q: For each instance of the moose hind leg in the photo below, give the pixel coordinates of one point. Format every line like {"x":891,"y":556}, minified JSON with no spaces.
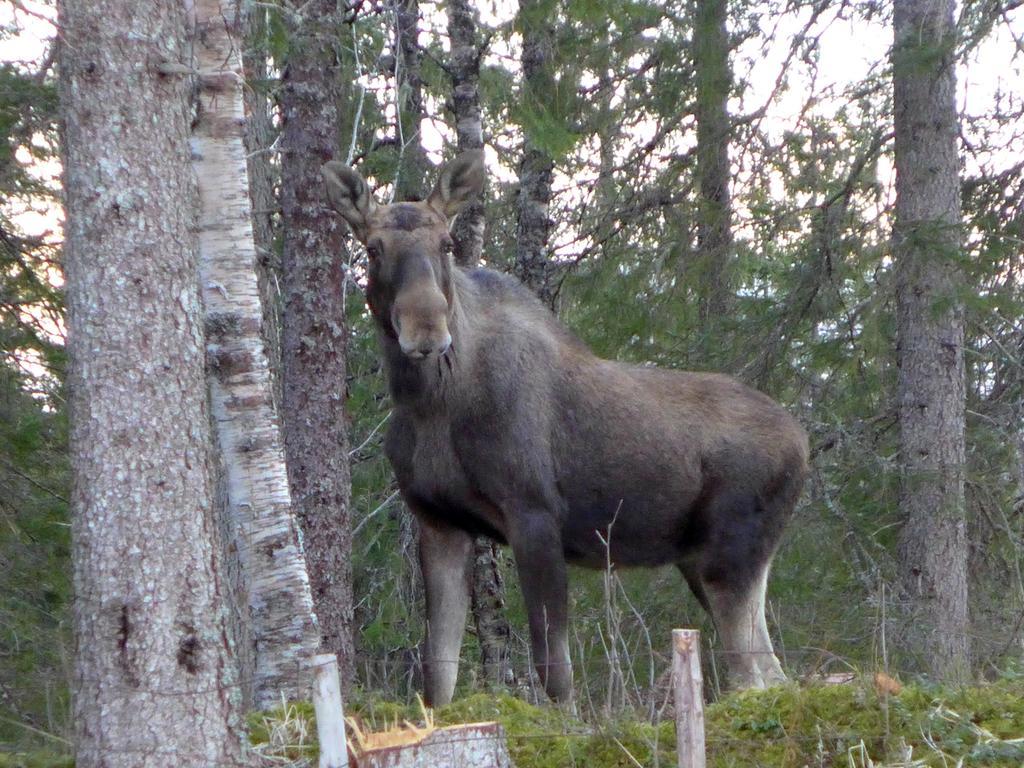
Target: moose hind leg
{"x":445,"y":554}
{"x":733,"y":575}
{"x":735,"y":615}
{"x":739,"y":615}
{"x":767,"y":662}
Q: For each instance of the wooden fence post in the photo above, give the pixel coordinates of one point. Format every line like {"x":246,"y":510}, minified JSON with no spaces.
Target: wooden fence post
{"x":330,"y":718}
{"x":688,"y":692}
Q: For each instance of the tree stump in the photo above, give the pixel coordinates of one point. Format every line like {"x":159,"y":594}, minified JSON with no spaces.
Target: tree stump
{"x":481,"y":745}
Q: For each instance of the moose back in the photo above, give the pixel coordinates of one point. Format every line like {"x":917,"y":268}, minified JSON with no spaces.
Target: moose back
{"x":505,"y":424}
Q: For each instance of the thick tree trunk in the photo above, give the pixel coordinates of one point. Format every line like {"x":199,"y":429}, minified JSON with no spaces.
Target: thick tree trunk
{"x":265,"y":533}
{"x":315,"y":332}
{"x":714,"y":210}
{"x":933,"y":543}
{"x":413,"y":164}
{"x":155,"y":681}
{"x":464,"y":66}
{"x":536,"y":169}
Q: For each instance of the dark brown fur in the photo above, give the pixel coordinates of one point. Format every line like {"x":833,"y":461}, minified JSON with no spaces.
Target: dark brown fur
{"x":516,"y":430}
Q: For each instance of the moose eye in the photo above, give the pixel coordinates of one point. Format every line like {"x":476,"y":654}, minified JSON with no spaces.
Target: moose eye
{"x":373,"y":251}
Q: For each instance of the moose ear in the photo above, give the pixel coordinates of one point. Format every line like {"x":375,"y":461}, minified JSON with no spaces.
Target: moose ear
{"x":349,"y":195}
{"x":460,"y":181}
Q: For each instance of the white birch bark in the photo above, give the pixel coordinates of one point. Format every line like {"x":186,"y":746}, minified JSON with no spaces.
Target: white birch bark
{"x":536,"y":168}
{"x":275,"y":583}
{"x":464,"y":68}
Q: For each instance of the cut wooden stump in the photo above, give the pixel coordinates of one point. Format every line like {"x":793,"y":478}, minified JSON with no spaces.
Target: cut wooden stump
{"x":480,"y":745}
{"x":688,"y":686}
{"x":330,"y":717}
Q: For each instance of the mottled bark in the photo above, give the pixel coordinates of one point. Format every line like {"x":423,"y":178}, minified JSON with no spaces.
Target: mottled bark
{"x":411,"y":185}
{"x":265,"y":533}
{"x":536,"y":169}
{"x":154,"y":682}
{"x":714,"y":209}
{"x":931,"y":388}
{"x":488,"y":590}
{"x":413,"y":164}
{"x":260,"y":135}
{"x":487,"y":603}
{"x":464,"y":67}
{"x":315,"y":331}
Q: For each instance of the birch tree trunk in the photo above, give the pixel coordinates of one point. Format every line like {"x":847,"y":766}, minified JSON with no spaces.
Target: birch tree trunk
{"x":464,"y":66}
{"x":714,"y":210}
{"x":488,"y":590}
{"x":413,"y":165}
{"x":411,"y":175}
{"x":536,"y":169}
{"x":155,"y":682}
{"x":315,"y":331}
{"x":260,"y":138}
{"x":931,"y":386}
{"x":275,"y":586}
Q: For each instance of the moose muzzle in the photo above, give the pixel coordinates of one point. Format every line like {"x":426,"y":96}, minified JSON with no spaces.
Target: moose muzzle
{"x":420,"y":317}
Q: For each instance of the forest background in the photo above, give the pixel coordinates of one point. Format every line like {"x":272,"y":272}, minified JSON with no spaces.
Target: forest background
{"x":604,"y":124}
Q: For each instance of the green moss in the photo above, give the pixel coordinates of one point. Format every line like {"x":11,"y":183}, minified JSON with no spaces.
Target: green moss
{"x":548,"y":737}
{"x":837,"y":726}
{"x":286,"y":733}
{"x":35,"y":760}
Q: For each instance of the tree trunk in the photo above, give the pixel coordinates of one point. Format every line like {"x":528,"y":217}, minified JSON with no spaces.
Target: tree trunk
{"x":536,"y":169}
{"x":488,"y":591}
{"x":260,"y":137}
{"x":411,"y":178}
{"x":464,"y":66}
{"x":315,"y":331}
{"x":488,"y":605}
{"x":275,"y":584}
{"x":413,"y":164}
{"x":714,"y":209}
{"x":155,"y":681}
{"x":931,"y":388}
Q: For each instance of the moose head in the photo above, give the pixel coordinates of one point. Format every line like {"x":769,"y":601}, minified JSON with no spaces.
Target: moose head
{"x":409,"y":288}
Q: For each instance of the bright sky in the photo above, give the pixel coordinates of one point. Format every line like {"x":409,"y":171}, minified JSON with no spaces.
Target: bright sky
{"x":849,"y":47}
{"x":28,"y":48}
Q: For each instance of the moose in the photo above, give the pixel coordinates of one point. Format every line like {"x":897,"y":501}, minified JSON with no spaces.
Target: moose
{"x":505,"y":424}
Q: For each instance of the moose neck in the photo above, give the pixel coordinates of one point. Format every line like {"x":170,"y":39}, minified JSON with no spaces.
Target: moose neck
{"x":424,"y":385}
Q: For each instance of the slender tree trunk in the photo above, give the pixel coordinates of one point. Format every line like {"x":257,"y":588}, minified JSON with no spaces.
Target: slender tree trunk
{"x":931,"y":389}
{"x":265,"y":533}
{"x":315,"y":330}
{"x":413,"y":164}
{"x":536,"y":169}
{"x":488,"y":590}
{"x":464,"y":65}
{"x":260,"y":137}
{"x":411,"y":184}
{"x":488,"y":605}
{"x":714,"y":210}
{"x":155,"y":682}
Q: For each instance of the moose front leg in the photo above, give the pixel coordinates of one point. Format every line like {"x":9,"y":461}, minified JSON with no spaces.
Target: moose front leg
{"x":537,"y":545}
{"x":445,"y":556}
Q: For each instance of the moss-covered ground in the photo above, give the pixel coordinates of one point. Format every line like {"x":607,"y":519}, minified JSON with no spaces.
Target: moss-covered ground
{"x":847,"y":726}
{"x":817,"y":726}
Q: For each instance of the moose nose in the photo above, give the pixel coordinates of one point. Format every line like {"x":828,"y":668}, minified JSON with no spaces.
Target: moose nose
{"x":425,"y":347}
